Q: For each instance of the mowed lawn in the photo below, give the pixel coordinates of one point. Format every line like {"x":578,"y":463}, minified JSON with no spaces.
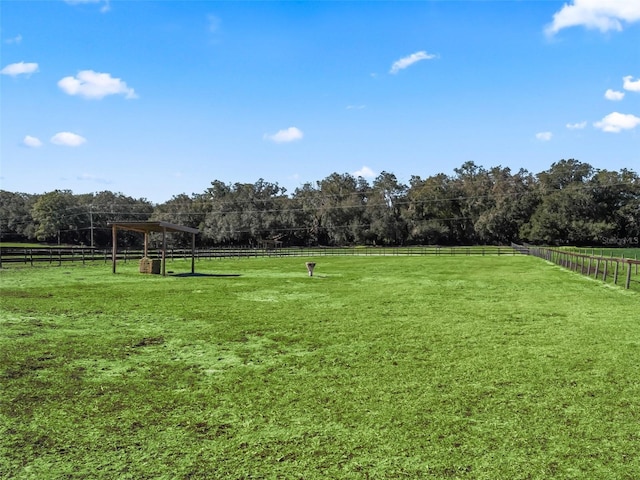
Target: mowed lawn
{"x":379,"y":367}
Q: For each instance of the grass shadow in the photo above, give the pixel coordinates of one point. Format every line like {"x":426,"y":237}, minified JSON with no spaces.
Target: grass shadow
{"x":181,"y":275}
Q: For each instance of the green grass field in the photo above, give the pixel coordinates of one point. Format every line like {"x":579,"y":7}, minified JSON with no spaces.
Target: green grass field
{"x":376,"y":367}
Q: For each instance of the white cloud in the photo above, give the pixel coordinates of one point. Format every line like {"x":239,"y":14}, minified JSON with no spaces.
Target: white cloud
{"x":410,"y":60}
{"x":17,"y":40}
{"x":576,"y":126}
{"x":31,"y":142}
{"x":613,"y":95}
{"x":544,"y":136}
{"x":616,"y":122}
{"x":364,"y":172}
{"x":356,"y":107}
{"x":284,"y":136}
{"x":19,"y":68}
{"x":630,"y":84}
{"x":603,"y":15}
{"x":90,"y":84}
{"x":68,"y":139}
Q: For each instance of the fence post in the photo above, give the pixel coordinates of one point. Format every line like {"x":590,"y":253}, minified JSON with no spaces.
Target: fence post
{"x":627,"y":284}
{"x":604,"y":273}
{"x":615,"y":274}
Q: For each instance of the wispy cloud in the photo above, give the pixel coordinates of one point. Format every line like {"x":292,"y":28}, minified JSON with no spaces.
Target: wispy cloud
{"x":95,"y":85}
{"x":68,"y":139}
{"x":213,"y":23}
{"x":356,"y":107}
{"x":287,"y":135}
{"x":88,"y":177}
{"x":364,"y":172}
{"x":603,"y":15}
{"x":576,"y":126}
{"x":20,"y":68}
{"x":616,"y":122}
{"x":31,"y":142}
{"x":613,"y":95}
{"x":105,"y":5}
{"x":410,"y":60}
{"x":15,"y":40}
{"x":630,"y":84}
{"x":544,"y":136}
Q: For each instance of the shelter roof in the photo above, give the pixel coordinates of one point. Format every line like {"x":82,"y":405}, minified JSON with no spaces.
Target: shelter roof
{"x":146,"y":227}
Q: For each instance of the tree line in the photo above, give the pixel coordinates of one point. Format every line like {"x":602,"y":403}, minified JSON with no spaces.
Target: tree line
{"x":571,"y":203}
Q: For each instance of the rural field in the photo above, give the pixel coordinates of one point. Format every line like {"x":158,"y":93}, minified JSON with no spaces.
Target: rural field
{"x":436,"y":367}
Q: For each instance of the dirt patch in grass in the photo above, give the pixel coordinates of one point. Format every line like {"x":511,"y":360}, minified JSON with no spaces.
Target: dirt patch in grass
{"x":149,"y":341}
{"x":24,"y":294}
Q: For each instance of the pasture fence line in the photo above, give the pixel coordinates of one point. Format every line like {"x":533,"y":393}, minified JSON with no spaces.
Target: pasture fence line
{"x":60,"y":255}
{"x":617,"y":270}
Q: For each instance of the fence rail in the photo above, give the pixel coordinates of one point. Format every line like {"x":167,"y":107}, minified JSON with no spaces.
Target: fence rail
{"x":617,"y":270}
{"x":58,"y":256}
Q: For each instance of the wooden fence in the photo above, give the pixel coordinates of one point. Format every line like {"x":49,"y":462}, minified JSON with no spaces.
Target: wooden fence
{"x":58,"y":256}
{"x":619,"y":271}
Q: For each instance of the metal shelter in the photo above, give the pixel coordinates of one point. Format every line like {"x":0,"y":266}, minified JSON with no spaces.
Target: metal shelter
{"x":146,"y":228}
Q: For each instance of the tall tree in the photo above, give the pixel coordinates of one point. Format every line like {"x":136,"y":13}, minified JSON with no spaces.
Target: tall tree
{"x":52,"y":213}
{"x":16,"y":222}
{"x":509,"y":204}
{"x":429,"y":212}
{"x":105,"y":207}
{"x":565,"y":212}
{"x":472,"y":186}
{"x":342,"y":208}
{"x":305,"y":216}
{"x":385,"y":202}
{"x":244,"y":213}
{"x":181,"y":210}
{"x":616,"y":198}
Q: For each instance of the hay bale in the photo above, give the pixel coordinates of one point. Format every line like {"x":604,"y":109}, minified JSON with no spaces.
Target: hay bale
{"x":149,"y":265}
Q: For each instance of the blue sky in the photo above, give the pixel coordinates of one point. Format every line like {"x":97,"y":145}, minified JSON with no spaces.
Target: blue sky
{"x":153,"y":99}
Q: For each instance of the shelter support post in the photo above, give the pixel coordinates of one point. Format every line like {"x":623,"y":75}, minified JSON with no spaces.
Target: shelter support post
{"x":114,"y":248}
{"x":193,"y":253}
{"x":164,"y":251}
